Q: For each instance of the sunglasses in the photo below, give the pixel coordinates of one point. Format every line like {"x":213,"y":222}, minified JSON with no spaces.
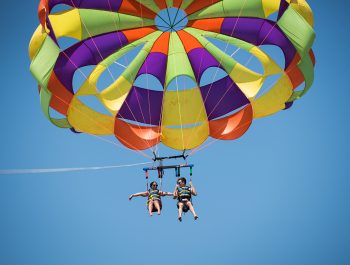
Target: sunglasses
{"x":156,"y":185}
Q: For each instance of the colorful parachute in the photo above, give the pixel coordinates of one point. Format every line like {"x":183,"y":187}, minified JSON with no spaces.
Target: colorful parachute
{"x":172,"y":46}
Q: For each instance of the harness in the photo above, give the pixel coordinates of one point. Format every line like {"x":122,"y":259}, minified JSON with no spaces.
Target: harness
{"x":184,"y":193}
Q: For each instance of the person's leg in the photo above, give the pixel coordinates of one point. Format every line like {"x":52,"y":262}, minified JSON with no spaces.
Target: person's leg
{"x":180,"y":205}
{"x":150,"y":208}
{"x":157,"y":205}
{"x":190,"y":206}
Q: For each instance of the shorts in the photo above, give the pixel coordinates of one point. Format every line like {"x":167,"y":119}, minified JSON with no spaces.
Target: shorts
{"x":154,"y":209}
{"x":185,"y":208}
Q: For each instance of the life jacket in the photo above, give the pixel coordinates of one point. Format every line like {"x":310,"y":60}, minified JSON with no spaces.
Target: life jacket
{"x":184,"y":193}
{"x":153,"y":195}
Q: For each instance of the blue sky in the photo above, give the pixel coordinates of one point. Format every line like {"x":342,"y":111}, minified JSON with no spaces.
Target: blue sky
{"x":278,"y":195}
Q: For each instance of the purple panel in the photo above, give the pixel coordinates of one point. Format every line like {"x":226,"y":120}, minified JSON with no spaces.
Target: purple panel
{"x":283,"y":7}
{"x":288,"y":105}
{"x":155,"y":64}
{"x":88,"y":52}
{"x":51,"y":33}
{"x":142,"y":105}
{"x":259,"y":32}
{"x":201,"y":60}
{"x":227,"y":93}
{"x":107,"y":5}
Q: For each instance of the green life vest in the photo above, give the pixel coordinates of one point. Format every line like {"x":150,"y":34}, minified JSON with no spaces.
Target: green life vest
{"x":153,"y":195}
{"x":184,"y":193}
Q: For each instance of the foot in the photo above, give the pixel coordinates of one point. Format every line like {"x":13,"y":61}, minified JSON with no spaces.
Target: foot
{"x":158,"y":213}
{"x":151,"y":214}
{"x":196,"y":217}
{"x":180,"y":219}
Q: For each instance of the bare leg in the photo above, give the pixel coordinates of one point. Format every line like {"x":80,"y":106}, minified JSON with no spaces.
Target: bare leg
{"x":157,"y":205}
{"x":150,"y":208}
{"x":190,"y":206}
{"x":181,"y":205}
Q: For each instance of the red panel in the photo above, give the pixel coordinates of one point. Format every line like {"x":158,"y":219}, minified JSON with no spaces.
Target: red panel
{"x":189,"y":41}
{"x":198,"y":5}
{"x":132,"y":7}
{"x":136,"y":137}
{"x":161,"y":4}
{"x":294,"y":73}
{"x":61,"y":97}
{"x":162,"y":43}
{"x":211,"y":24}
{"x":232,"y":127}
{"x":135,"y":34}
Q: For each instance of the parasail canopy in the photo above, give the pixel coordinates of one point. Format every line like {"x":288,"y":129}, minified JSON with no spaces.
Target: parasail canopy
{"x":170,"y":40}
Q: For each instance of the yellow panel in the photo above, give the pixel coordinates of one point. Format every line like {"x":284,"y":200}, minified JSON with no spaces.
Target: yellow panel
{"x":187,"y":138}
{"x":269,"y":65}
{"x":89,"y":85}
{"x":248,"y":81}
{"x":114,"y":96}
{"x":84,"y":119}
{"x":36,"y":42}
{"x":274,"y":100}
{"x":270,"y":6}
{"x":303,"y":8}
{"x":183,"y":107}
{"x":67,"y":24}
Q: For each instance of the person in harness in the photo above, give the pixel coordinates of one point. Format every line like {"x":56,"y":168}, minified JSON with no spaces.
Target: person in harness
{"x":154,"y":202}
{"x":184,"y":194}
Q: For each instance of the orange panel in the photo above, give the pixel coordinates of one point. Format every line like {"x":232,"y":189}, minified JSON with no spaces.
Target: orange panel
{"x":189,"y":41}
{"x":131,"y":7}
{"x":294,"y":73}
{"x":135,"y":34}
{"x":61,"y":97}
{"x":162,"y":44}
{"x":161,"y":4}
{"x":42,"y":9}
{"x":136,"y":137}
{"x":198,"y":5}
{"x":232,"y":127}
{"x":211,"y":24}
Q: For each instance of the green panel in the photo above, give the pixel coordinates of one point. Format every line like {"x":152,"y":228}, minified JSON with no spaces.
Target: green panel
{"x":169,"y":3}
{"x":300,"y":33}
{"x":150,"y":5}
{"x":45,"y":98}
{"x":42,"y":65}
{"x":96,"y":22}
{"x":243,"y":8}
{"x":178,"y":62}
{"x":186,"y":3}
{"x":307,"y":68}
{"x":216,"y":10}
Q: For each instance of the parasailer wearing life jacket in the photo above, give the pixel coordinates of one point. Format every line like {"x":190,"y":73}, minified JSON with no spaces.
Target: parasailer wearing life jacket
{"x":184,"y":195}
{"x":154,"y":202}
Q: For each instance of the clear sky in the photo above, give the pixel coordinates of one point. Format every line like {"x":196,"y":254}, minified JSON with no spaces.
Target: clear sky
{"x":278,"y":195}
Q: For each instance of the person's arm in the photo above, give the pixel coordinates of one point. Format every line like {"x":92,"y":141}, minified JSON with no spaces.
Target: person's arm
{"x":175,"y":193}
{"x":193,"y":189}
{"x":164,"y":193}
{"x":143,"y":194}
